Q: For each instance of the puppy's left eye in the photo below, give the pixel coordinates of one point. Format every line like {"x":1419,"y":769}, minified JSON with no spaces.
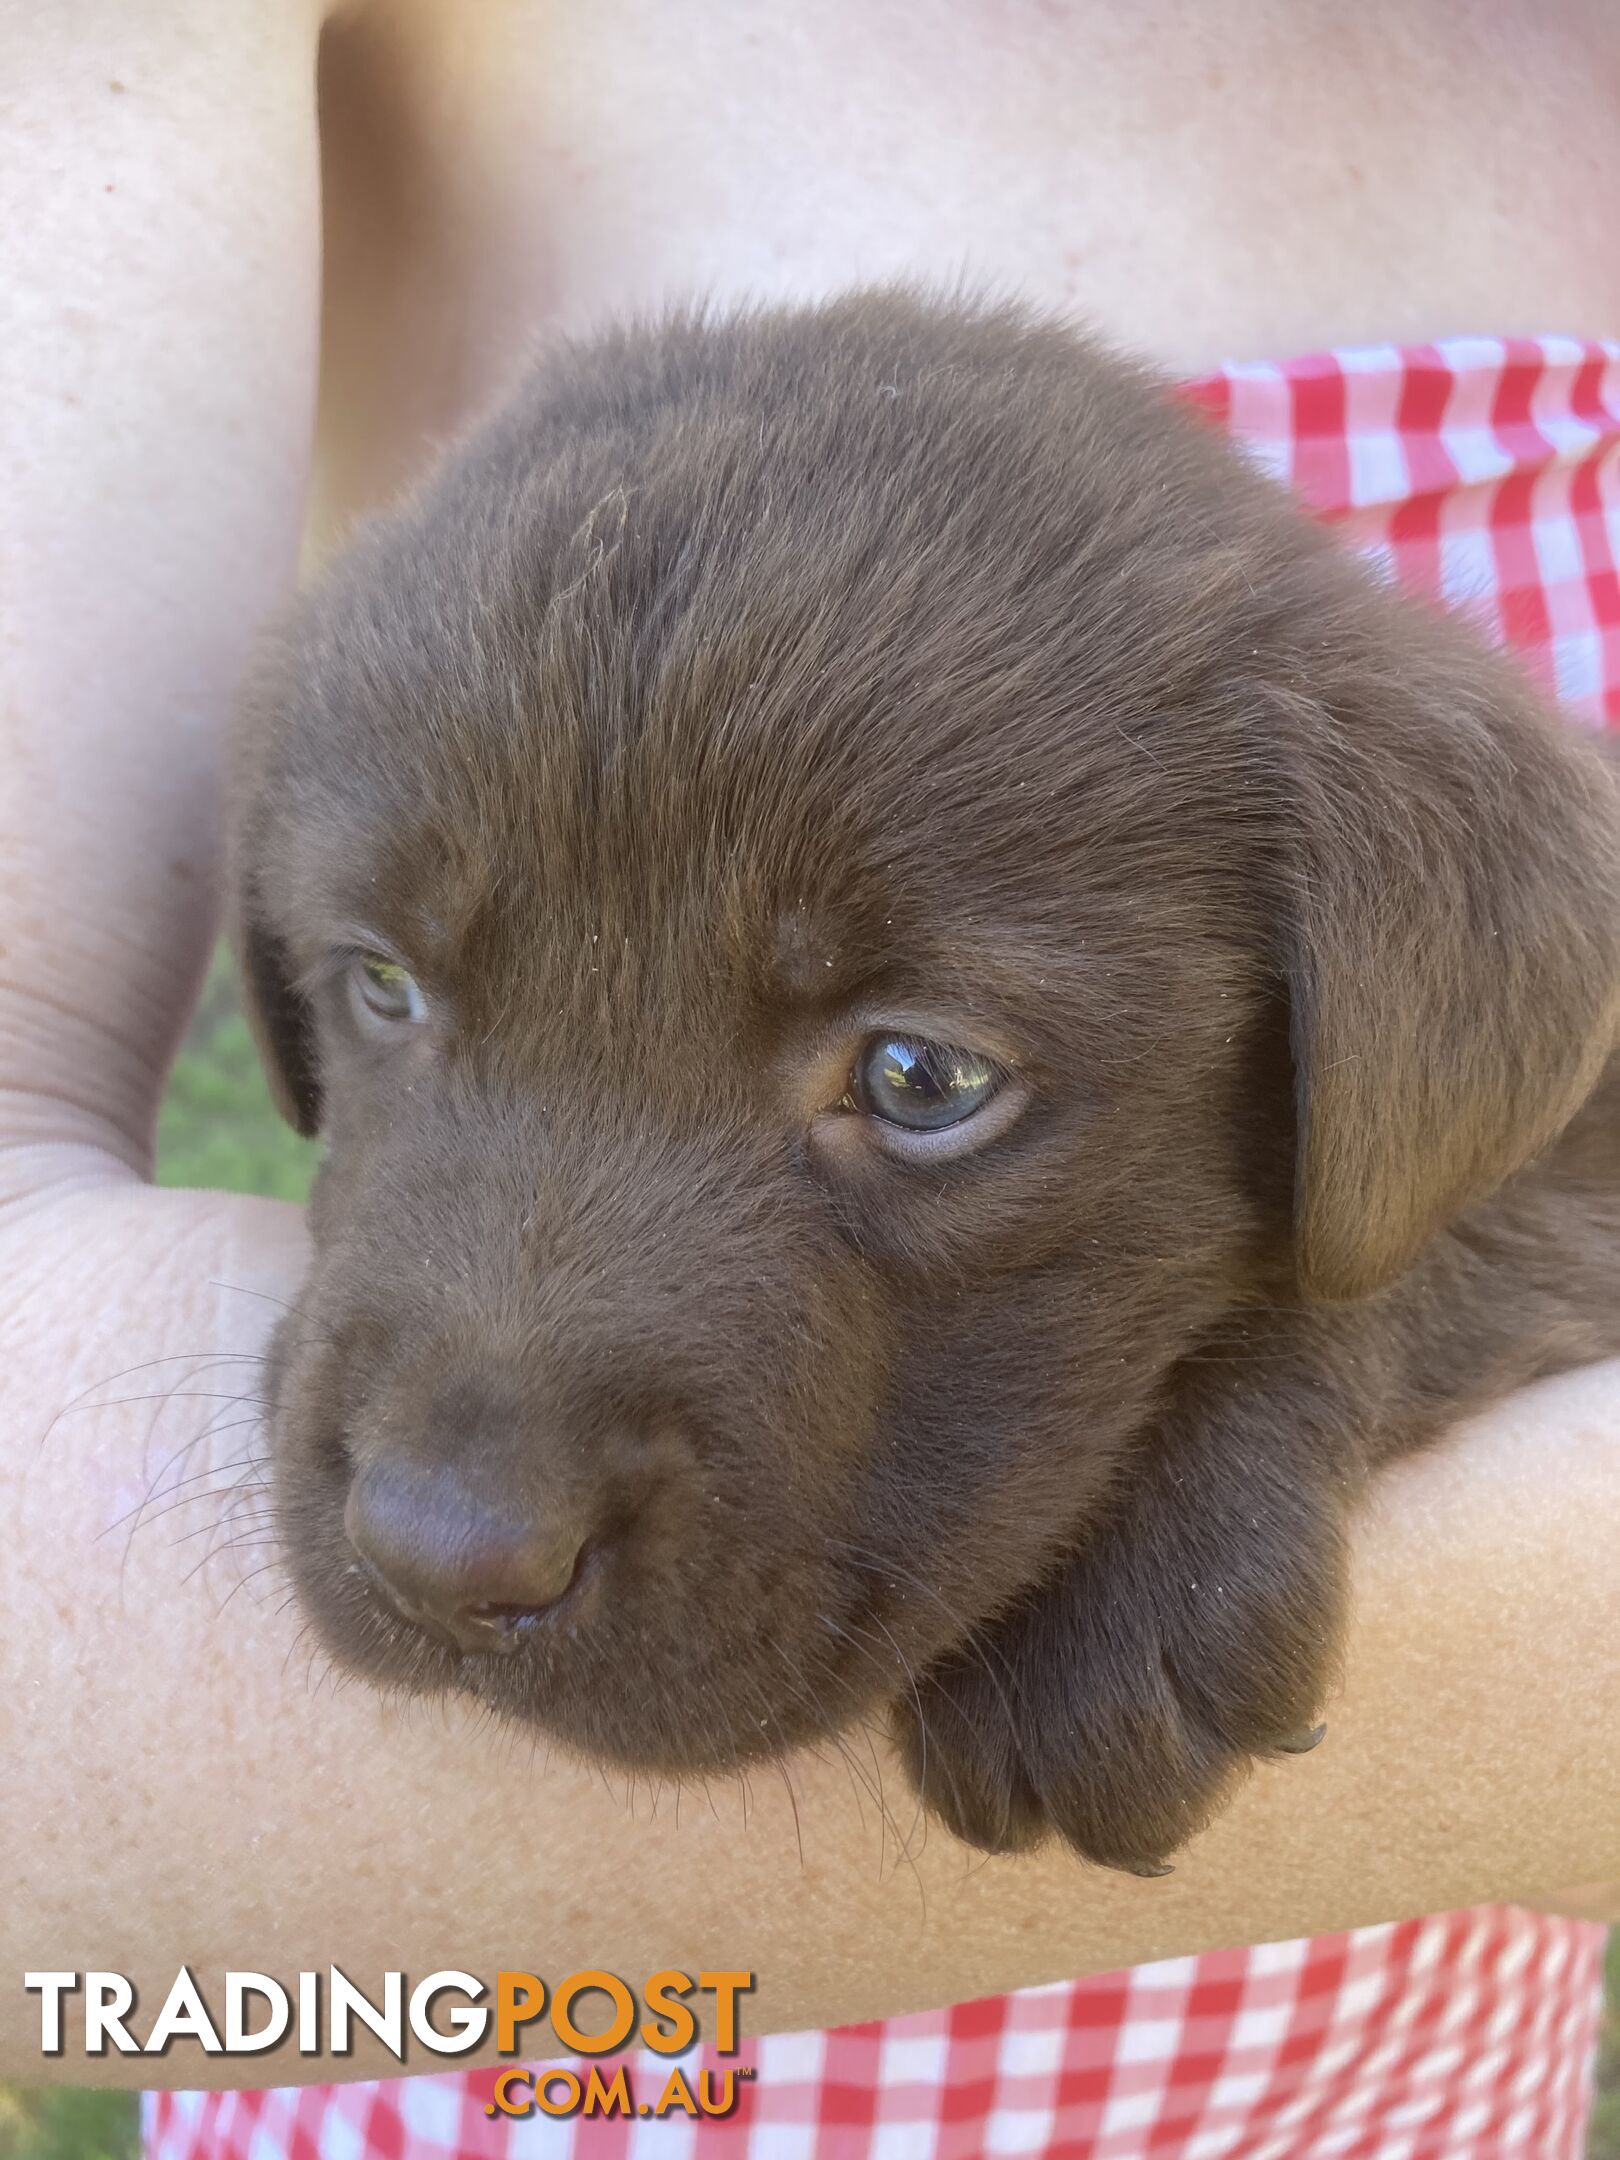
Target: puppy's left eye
{"x":383,"y":990}
{"x":922,"y":1086}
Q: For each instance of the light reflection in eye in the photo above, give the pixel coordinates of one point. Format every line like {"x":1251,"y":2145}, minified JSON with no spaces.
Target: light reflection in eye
{"x":921,"y":1085}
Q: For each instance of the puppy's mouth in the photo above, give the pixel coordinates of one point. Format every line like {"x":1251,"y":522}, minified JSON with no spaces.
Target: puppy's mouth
{"x":644,"y":1679}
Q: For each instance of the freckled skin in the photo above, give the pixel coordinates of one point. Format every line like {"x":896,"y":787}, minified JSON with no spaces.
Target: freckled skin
{"x":744,"y":690}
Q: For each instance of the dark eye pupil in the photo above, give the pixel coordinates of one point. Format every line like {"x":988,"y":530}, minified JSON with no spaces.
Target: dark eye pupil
{"x":923,"y":1085}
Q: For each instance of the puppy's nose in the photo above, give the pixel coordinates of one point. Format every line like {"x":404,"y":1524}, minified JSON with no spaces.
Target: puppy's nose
{"x":455,"y":1562}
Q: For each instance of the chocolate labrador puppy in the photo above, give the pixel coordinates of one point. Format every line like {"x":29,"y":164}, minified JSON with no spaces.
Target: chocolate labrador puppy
{"x":936,"y":1025}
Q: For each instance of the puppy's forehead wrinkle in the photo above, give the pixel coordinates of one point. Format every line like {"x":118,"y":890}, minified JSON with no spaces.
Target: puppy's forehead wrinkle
{"x":800,"y":608}
{"x":730,"y":755}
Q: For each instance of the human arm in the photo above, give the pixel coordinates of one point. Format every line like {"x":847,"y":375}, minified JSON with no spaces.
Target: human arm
{"x":187,"y":1787}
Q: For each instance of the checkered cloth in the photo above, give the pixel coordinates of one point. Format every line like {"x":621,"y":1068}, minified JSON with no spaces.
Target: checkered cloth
{"x":1487,"y":471}
{"x":1465,"y":2037}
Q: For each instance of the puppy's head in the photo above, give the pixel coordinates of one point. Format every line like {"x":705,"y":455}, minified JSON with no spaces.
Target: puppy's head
{"x":841,"y":886}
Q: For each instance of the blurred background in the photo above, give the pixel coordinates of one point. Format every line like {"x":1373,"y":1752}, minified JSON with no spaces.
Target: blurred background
{"x":218,"y":1128}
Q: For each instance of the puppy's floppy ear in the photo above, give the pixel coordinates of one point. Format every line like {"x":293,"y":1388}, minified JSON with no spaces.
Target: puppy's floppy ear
{"x":279,"y":1016}
{"x":1453,"y":943}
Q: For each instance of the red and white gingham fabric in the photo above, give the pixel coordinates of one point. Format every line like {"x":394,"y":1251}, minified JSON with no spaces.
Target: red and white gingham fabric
{"x":1488,"y":471}
{"x":1483,"y":469}
{"x":1464,"y":2037}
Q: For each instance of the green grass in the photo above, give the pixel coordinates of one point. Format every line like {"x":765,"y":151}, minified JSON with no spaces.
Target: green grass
{"x":1603,"y":2143}
{"x":220,"y":1128}
{"x":66,"y":2123}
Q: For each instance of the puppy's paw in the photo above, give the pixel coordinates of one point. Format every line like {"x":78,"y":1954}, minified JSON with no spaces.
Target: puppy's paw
{"x":1116,"y":1707}
{"x":961,"y":1739}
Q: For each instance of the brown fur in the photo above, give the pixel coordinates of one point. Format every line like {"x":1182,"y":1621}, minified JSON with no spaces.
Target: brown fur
{"x":742,"y":686}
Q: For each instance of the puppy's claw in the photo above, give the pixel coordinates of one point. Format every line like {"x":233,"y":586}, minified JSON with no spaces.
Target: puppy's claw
{"x":1149,"y":1870}
{"x":1301,"y":1743}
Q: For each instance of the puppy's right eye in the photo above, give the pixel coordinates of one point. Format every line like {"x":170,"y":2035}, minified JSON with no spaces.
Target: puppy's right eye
{"x":383,"y":990}
{"x":922,"y":1086}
